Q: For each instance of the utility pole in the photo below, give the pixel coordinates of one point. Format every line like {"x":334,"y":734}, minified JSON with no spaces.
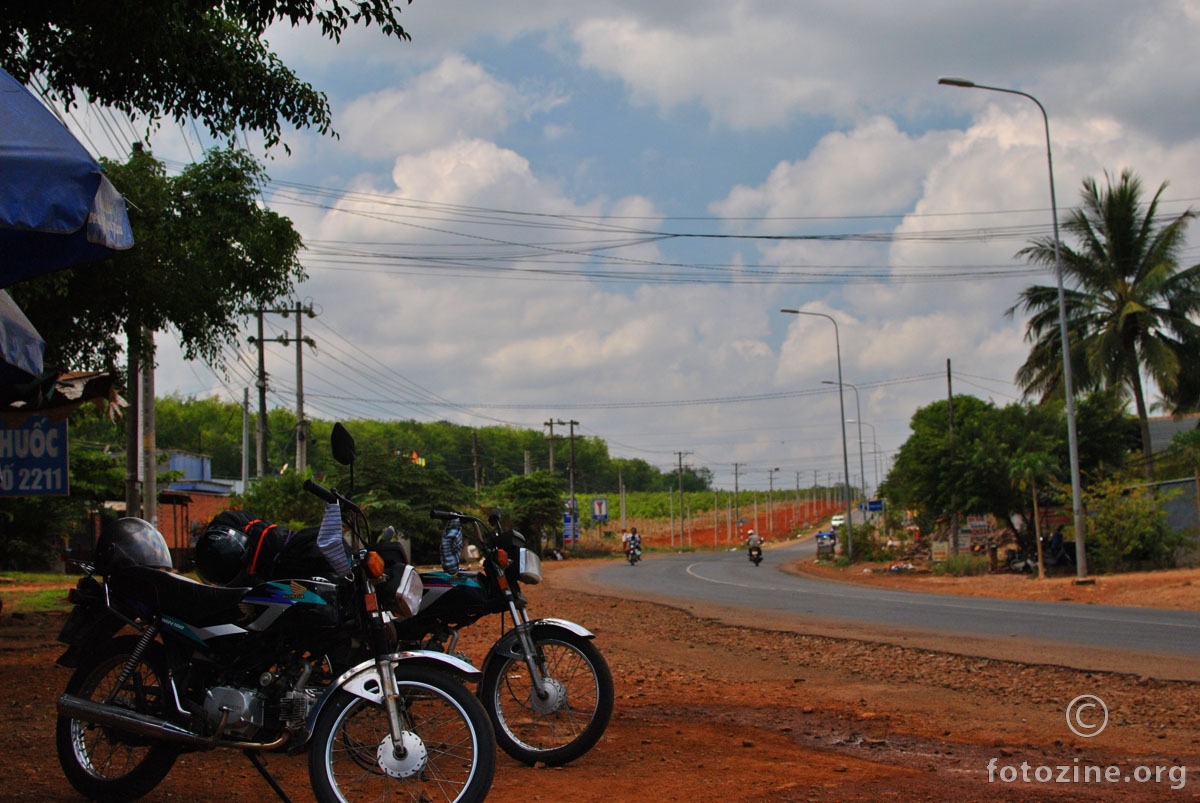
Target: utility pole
{"x":680,"y":454}
{"x":736,"y":511}
{"x":133,"y":433}
{"x":475,"y":459}
{"x":573,"y":423}
{"x":551,"y":424}
{"x":262,"y":399}
{"x":300,"y":340}
{"x":245,"y":439}
{"x":149,"y":450}
{"x":953,"y":499}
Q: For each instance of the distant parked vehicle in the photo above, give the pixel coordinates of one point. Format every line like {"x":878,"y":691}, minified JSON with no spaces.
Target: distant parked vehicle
{"x":837,"y":521}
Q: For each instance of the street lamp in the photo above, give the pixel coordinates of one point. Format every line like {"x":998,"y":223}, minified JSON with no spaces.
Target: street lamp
{"x":858,"y":411}
{"x":875,"y":443}
{"x":837,"y":342}
{"x":1068,"y":389}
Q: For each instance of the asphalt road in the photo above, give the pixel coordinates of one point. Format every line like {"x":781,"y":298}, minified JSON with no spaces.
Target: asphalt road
{"x":728,"y":579}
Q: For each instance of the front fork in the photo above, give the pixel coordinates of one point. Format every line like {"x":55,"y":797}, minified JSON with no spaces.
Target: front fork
{"x":534,"y":659}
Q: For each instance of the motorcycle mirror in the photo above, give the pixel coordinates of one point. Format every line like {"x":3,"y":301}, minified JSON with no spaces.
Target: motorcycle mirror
{"x":494,"y":517}
{"x":342,"y":443}
{"x":388,"y":534}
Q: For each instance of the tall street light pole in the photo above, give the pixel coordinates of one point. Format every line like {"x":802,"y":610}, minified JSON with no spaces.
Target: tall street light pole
{"x":857,"y":411}
{"x":1068,"y":389}
{"x":875,"y":443}
{"x":837,"y":342}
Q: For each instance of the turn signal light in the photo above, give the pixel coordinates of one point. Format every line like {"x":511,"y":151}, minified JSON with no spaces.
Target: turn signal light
{"x":374,"y":565}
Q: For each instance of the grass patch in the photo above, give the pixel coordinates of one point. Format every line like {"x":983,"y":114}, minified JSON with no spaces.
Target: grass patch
{"x":962,"y":565}
{"x":42,"y":600}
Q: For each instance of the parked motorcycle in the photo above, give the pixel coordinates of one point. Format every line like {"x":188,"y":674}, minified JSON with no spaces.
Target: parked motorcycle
{"x":756,"y":555}
{"x":266,"y":668}
{"x":546,"y":688}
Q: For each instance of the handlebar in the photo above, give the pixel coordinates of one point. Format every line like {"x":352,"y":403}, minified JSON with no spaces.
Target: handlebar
{"x":321,"y":491}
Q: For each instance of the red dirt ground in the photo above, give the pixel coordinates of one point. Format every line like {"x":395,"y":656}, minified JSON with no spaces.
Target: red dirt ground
{"x":709,"y":707}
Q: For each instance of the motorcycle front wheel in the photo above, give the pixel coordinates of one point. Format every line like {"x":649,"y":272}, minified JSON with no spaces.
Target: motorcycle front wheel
{"x":566,"y":724}
{"x":103,"y":763}
{"x":447,"y":754}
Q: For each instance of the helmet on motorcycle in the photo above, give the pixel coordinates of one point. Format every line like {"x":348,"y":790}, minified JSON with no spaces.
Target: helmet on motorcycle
{"x":751,"y":532}
{"x":130,"y":542}
{"x":220,"y":554}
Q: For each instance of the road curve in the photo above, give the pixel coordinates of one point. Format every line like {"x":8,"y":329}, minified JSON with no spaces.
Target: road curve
{"x":1087,"y":636}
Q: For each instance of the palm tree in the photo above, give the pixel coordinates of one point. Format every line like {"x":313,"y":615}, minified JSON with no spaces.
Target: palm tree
{"x":1129,"y":307}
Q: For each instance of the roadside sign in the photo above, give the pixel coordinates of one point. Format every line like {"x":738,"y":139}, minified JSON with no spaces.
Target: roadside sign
{"x":875,"y":505}
{"x":33,"y":458}
{"x":570,"y":527}
{"x":600,"y":509}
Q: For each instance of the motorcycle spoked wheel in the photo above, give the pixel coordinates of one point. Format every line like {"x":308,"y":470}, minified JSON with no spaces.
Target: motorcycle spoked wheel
{"x":102,"y":763}
{"x":582,"y":700}
{"x":449,"y":753}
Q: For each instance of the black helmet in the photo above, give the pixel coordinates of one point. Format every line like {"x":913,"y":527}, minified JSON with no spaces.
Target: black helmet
{"x":220,"y":554}
{"x":131,"y":542}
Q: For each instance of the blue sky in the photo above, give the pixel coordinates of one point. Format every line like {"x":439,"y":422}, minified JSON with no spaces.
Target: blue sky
{"x":507,"y":140}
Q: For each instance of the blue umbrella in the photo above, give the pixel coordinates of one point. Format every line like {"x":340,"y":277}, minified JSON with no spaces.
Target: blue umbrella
{"x":57,"y":208}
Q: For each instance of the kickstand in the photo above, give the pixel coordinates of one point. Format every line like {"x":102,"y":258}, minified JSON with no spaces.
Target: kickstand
{"x":261,"y":766}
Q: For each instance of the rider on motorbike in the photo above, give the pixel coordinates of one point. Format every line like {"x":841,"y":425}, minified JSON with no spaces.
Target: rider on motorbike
{"x":754,"y":544}
{"x":632,"y":540}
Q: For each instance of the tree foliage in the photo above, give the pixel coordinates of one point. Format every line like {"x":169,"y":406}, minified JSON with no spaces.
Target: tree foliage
{"x":1131,"y":307}
{"x":937,"y":473}
{"x":206,"y":252}
{"x":185,"y":59}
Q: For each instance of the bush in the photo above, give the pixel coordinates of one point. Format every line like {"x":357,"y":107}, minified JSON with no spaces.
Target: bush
{"x":1127,"y":527}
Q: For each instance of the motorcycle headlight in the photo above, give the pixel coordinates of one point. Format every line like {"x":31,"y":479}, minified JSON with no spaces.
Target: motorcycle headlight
{"x":530,"y":567}
{"x":408,"y":593}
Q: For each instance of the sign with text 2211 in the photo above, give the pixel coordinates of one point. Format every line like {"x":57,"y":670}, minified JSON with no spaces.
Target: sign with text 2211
{"x":33,"y":458}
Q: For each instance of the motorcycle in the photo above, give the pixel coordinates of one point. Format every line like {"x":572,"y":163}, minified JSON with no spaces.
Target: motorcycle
{"x":633,"y":554}
{"x":756,"y":554}
{"x":545,"y":686}
{"x":264,"y":669}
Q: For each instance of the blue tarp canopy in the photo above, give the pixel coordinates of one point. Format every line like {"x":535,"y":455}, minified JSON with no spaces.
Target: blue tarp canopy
{"x":57,"y":208}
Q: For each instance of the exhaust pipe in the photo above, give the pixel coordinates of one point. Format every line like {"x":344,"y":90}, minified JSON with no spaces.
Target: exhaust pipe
{"x":128,"y":721}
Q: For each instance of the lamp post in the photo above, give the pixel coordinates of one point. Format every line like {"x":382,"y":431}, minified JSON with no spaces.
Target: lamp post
{"x":875,"y":444}
{"x":858,"y":411}
{"x":837,"y":342}
{"x":1068,"y":389}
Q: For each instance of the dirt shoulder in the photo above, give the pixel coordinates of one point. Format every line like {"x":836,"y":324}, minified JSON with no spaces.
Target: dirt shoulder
{"x":1177,"y":589}
{"x":711,"y":708}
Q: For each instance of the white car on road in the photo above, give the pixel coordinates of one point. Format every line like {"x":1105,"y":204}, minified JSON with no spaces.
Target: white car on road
{"x":837,"y":521}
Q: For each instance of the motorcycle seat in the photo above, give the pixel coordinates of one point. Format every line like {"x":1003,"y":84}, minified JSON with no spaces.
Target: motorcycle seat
{"x":177,"y":595}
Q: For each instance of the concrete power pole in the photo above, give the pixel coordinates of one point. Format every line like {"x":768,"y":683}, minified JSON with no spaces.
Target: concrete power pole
{"x":149,"y":450}
{"x":301,"y":425}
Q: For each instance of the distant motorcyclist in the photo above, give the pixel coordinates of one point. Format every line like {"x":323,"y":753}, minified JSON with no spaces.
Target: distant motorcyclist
{"x":633,"y":546}
{"x":754,"y":546}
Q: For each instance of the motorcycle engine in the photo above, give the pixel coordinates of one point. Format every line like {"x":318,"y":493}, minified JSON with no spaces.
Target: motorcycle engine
{"x":245,"y":709}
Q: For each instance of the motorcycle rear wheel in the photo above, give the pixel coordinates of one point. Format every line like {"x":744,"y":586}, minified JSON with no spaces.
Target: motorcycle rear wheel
{"x":102,"y":763}
{"x":451,"y":755}
{"x":555,"y":737}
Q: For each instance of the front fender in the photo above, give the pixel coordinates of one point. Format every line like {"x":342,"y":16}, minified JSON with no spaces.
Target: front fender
{"x":363,"y":681}
{"x":507,"y":646}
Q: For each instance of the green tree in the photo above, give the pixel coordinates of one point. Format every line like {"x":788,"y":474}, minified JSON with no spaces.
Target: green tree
{"x":1027,"y":470}
{"x":185,"y":60}
{"x":533,"y":505}
{"x":1130,"y":307}
{"x":206,"y":252}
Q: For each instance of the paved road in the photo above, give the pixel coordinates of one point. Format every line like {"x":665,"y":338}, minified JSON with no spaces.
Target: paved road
{"x":729,"y":579}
